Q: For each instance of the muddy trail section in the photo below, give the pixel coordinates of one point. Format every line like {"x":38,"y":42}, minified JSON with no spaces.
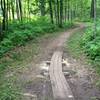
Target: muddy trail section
{"x":36,"y":84}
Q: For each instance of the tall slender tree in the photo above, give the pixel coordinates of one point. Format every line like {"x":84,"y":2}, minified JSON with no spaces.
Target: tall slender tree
{"x":61,"y":13}
{"x":92,"y":9}
{"x":51,"y":11}
{"x":94,"y":18}
{"x":58,"y":21}
{"x":42,"y":7}
{"x":20,"y":9}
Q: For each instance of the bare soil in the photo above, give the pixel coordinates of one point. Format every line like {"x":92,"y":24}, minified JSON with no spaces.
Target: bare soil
{"x":81,"y":79}
{"x":35,"y":82}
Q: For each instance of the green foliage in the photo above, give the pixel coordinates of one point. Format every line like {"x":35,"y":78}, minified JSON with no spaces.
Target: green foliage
{"x":84,"y":43}
{"x":3,"y":66}
{"x":20,"y":32}
{"x":8,"y":93}
{"x":98,"y":83}
{"x":91,"y":44}
{"x":68,"y":24}
{"x":10,"y":66}
{"x":73,"y":45}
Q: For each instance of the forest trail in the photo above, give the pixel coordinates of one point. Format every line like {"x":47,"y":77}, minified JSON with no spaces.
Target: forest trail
{"x":77,"y":74}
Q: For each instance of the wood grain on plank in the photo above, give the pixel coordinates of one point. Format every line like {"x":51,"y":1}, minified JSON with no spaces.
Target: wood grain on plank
{"x":60,"y":87}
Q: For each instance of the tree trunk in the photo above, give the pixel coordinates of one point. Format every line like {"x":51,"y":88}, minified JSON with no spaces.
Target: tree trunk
{"x":68,"y":5}
{"x":58,"y":12}
{"x":42,"y":7}
{"x":94,"y":18}
{"x":17,"y":9}
{"x":92,"y":9}
{"x":65,"y":10}
{"x":12,"y":8}
{"x":55,"y":10}
{"x":20,"y":9}
{"x":3,"y":7}
{"x":61,"y":13}
{"x":28,"y":3}
{"x":51,"y":11}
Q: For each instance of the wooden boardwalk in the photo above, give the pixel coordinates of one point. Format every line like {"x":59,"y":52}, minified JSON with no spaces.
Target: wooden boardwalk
{"x":60,"y":87}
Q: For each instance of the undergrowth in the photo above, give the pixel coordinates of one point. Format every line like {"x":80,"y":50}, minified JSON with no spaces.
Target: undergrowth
{"x":90,"y":42}
{"x":20,"y":32}
{"x":85,"y":44}
{"x":18,"y":47}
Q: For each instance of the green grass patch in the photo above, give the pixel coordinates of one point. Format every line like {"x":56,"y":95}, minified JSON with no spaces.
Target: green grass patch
{"x":73,"y":45}
{"x":15,"y":62}
{"x":8,"y":90}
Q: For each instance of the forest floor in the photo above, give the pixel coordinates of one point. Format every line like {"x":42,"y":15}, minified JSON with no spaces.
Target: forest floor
{"x":81,"y":78}
{"x":35,"y":83}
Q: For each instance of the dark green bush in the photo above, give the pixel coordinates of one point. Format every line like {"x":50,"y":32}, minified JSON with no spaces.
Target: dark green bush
{"x":20,"y":32}
{"x":91,"y":44}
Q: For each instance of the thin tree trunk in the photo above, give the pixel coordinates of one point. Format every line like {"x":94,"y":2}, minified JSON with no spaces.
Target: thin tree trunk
{"x":65,"y":10}
{"x":55,"y":10}
{"x":94,"y":18}
{"x":7,"y":9}
{"x":28,"y":2}
{"x":12,"y":8}
{"x":51,"y":11}
{"x":3,"y":7}
{"x":58,"y":12}
{"x":92,"y":9}
{"x":20,"y":8}
{"x":61,"y":13}
{"x":17,"y":9}
{"x":68,"y":10}
{"x":42,"y":7}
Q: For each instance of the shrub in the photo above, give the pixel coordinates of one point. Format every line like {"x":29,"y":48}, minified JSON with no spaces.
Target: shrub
{"x":91,"y":44}
{"x":8,"y":93}
{"x":20,"y":32}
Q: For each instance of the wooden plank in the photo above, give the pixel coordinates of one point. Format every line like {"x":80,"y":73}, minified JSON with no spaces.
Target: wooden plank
{"x":60,"y":87}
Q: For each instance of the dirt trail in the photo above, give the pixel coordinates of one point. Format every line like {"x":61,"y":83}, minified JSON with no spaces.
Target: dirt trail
{"x":36,"y":82}
{"x":57,"y":43}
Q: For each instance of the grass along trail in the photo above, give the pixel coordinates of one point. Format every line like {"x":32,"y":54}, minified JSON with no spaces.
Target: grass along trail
{"x":34,"y":81}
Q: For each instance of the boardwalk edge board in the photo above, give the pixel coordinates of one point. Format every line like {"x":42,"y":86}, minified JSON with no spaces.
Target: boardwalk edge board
{"x":60,"y":87}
